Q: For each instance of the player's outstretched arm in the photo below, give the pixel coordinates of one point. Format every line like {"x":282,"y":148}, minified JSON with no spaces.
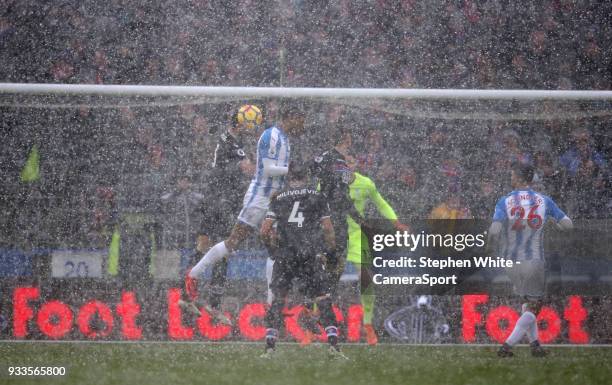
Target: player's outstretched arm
{"x":493,"y":235}
{"x":564,"y":223}
{"x":270,"y":169}
{"x":385,"y":209}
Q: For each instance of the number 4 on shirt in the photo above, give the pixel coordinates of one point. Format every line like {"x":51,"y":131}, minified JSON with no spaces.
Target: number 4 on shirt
{"x":296,"y":216}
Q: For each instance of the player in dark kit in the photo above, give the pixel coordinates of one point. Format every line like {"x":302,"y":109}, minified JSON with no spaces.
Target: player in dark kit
{"x":334,"y":172}
{"x":231,"y":167}
{"x":300,"y":244}
{"x":333,"y":175}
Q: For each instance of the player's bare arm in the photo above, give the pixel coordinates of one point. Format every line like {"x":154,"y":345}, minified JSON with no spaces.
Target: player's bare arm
{"x":493,"y":235}
{"x":328,"y":233}
{"x":565,"y":224}
{"x":268,"y":235}
{"x":247,"y":166}
{"x":240,"y":232}
{"x":202,"y":243}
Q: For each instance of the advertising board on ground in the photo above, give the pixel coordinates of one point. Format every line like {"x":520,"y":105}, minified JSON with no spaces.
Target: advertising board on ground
{"x":102,"y":312}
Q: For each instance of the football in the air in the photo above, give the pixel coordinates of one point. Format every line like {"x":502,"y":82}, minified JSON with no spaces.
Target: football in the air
{"x":249,"y":116}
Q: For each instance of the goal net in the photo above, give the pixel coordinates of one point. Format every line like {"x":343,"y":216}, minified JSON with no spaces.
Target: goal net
{"x":78,"y":160}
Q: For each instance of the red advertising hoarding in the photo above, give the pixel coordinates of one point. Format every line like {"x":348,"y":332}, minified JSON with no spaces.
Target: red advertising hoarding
{"x":33,"y":316}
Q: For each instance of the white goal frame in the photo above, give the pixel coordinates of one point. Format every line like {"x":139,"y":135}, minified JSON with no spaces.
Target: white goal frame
{"x":285,"y":92}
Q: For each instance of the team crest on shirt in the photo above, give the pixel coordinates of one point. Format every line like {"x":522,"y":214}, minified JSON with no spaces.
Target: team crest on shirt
{"x":346,"y":177}
{"x":344,"y":170}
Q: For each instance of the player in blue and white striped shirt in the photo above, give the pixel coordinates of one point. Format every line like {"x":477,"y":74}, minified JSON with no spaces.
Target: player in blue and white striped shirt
{"x":518,"y":222}
{"x":522,"y":214}
{"x":273,"y":152}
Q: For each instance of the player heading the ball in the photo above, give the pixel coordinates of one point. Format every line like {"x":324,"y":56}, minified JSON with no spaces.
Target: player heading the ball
{"x":273,"y":154}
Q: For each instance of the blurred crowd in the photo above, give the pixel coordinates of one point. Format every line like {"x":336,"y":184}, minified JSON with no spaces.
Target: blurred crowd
{"x":98,"y":167}
{"x":97,"y":164}
{"x":552,"y":44}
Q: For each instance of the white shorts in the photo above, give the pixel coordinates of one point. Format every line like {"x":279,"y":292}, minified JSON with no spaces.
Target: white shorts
{"x":252,"y":216}
{"x":254,"y":208}
{"x":528,"y":278}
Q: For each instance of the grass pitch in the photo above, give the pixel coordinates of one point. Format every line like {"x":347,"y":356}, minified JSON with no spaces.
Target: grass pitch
{"x":217,"y":364}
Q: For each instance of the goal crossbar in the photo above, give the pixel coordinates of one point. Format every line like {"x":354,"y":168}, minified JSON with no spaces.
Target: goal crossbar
{"x":307,"y":92}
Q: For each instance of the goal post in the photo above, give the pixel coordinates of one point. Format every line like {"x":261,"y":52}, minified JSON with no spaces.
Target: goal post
{"x":304,"y":92}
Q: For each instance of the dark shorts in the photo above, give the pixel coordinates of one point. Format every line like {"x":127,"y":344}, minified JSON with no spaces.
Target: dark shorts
{"x":308,"y":275}
{"x":218,"y":219}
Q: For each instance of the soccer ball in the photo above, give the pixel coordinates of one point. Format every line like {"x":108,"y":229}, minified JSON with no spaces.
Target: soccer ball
{"x":249,"y":116}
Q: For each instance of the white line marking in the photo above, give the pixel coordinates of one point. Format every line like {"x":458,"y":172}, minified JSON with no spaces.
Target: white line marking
{"x":394,"y":344}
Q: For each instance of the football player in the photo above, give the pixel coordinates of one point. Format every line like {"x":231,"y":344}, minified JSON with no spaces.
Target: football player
{"x":333,"y":175}
{"x":334,"y":172}
{"x":299,"y":230}
{"x":230,"y":166}
{"x":273,"y":153}
{"x":518,"y":227}
{"x":363,"y":190}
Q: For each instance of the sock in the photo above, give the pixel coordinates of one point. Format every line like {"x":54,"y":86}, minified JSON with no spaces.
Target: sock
{"x":215,"y":254}
{"x":271,"y":336}
{"x":269,"y":267}
{"x":367,"y":302}
{"x":532,"y":332}
{"x":522,"y":326}
{"x":214,"y":297}
{"x":217,"y":283}
{"x":332,"y":335}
